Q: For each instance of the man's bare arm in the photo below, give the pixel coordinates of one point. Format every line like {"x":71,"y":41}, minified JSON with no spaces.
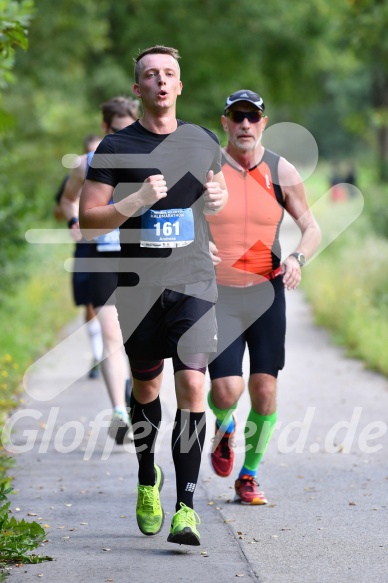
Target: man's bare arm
{"x":97,"y":216}
{"x":72,"y":191}
{"x":297,"y":206}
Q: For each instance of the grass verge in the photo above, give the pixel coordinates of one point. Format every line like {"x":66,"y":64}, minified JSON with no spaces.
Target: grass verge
{"x":30,"y":320}
{"x":348,"y":286}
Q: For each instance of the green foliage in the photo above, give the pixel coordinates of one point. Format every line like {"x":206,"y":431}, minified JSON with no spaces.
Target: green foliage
{"x":9,"y":381}
{"x":37,"y":309}
{"x":52,"y":115}
{"x":14,"y":19}
{"x":365,"y":24}
{"x":18,"y":537}
{"x":6,"y":463}
{"x":348,"y":289}
{"x":14,"y":213}
{"x":363,"y":27}
{"x":376,"y":207}
{"x":260,"y":45}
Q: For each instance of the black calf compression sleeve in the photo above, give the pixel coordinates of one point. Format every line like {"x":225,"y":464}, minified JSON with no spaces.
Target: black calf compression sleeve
{"x":188,"y":437}
{"x":145,"y":422}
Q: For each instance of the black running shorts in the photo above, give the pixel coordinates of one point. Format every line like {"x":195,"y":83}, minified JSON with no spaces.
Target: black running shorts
{"x":255,"y":317}
{"x":159,"y":323}
{"x":103,"y":276}
{"x":80,"y":280}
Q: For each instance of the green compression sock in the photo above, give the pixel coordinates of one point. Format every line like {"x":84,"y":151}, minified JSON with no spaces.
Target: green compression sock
{"x":256,"y":440}
{"x":224,"y":416}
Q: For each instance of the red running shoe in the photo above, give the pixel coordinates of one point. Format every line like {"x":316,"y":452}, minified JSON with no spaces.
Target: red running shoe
{"x":222,"y":456}
{"x":247,"y":491}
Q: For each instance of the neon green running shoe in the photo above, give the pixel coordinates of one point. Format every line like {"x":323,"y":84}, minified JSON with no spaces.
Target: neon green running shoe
{"x":183,"y":527}
{"x":149,"y":511}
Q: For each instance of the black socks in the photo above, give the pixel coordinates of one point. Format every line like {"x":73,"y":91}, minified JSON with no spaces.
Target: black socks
{"x":188,"y":437}
{"x":145,"y":422}
{"x":187,"y":441}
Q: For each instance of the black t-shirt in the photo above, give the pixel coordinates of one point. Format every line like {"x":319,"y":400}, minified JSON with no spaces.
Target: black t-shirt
{"x":184,"y":157}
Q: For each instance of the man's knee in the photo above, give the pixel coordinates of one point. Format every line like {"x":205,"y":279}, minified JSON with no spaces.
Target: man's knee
{"x":226,"y":391}
{"x":262,"y":389}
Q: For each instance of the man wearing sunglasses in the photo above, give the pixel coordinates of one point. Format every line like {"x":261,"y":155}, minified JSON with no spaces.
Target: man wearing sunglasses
{"x":251,"y":281}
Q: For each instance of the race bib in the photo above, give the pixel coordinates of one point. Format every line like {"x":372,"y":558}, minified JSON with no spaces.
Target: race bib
{"x":168,"y":228}
{"x":109,"y":242}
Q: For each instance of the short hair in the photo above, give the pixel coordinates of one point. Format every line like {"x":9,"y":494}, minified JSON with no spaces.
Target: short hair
{"x":89,"y":142}
{"x":119,"y":107}
{"x":156,"y":50}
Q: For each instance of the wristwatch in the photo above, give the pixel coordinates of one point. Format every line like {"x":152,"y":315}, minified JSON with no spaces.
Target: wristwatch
{"x":301,"y":259}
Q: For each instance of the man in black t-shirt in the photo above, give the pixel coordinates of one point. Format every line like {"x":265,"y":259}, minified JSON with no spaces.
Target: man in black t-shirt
{"x":162,"y":175}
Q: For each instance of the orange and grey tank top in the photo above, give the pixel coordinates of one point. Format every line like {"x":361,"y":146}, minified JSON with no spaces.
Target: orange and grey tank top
{"x":246,"y":230}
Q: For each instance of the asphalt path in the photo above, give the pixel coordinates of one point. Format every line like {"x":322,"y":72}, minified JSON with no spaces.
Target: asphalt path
{"x":324,"y":473}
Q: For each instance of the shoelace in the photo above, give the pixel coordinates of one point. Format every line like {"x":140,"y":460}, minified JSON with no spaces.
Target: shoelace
{"x":225,"y":443}
{"x":117,"y":416}
{"x":147,"y":498}
{"x":189,"y":515}
{"x":249,"y":482}
{"x":225,"y":446}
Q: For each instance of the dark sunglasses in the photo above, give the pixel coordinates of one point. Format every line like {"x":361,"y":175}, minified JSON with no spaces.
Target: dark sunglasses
{"x":239,"y":116}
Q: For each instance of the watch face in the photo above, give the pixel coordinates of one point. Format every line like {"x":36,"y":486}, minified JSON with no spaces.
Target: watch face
{"x":301,"y":259}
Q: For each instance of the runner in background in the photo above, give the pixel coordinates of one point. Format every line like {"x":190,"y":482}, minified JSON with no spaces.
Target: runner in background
{"x":117,"y":113}
{"x":80,"y":280}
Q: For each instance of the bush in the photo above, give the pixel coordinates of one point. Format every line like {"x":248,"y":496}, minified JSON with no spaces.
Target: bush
{"x":18,"y":537}
{"x":377,"y":208}
{"x":348,"y":291}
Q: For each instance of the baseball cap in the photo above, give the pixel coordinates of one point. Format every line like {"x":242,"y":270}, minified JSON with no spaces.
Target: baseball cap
{"x":245,"y":95}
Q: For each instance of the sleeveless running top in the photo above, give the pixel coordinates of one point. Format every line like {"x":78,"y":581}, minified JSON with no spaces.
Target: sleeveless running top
{"x":246,"y":231}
